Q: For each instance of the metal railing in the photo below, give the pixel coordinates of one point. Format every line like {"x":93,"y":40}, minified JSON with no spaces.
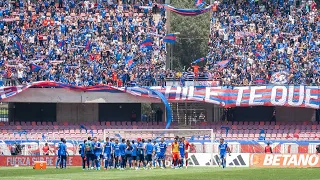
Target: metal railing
{"x":209,"y":82}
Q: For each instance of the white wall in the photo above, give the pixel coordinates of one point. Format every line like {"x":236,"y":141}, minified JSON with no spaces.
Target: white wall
{"x":74,"y":112}
{"x":55,"y":95}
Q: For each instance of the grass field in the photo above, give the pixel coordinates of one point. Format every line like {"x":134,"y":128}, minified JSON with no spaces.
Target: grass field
{"x":76,"y":173}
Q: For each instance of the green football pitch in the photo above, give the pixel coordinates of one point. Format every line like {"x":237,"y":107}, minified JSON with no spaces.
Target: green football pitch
{"x":191,"y":173}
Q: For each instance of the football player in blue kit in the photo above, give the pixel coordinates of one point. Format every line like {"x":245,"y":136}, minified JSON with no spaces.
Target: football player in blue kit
{"x":59,"y":152}
{"x":64,"y":153}
{"x":116,"y":153}
{"x":182,"y":153}
{"x":89,"y":153}
{"x":134,"y":155}
{"x":82,"y":154}
{"x":156,"y":152}
{"x":140,"y":153}
{"x":112,"y":141}
{"x":129,"y":149}
{"x":107,"y":154}
{"x":122,"y":148}
{"x":162,"y":154}
{"x":223,"y":150}
{"x":149,"y":152}
{"x":97,"y":152}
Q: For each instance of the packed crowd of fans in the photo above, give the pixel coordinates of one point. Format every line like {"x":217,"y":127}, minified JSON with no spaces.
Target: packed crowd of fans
{"x":86,"y":43}
{"x":262,"y":42}
{"x":80,"y":42}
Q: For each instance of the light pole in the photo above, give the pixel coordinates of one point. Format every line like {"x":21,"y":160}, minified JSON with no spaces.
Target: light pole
{"x":170,"y":53}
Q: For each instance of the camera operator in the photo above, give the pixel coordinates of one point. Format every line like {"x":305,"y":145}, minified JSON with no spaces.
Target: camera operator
{"x":16,"y":149}
{"x":318,"y":149}
{"x":13,"y":149}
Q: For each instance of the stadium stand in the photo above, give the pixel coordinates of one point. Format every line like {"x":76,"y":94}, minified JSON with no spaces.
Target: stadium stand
{"x":81,"y":42}
{"x":87,"y":43}
{"x":258,"y":39}
{"x":237,"y":130}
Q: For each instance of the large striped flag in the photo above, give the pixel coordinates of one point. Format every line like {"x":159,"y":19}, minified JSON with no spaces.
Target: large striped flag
{"x":146,"y":44}
{"x":223,"y":63}
{"x":19,"y":46}
{"x":199,"y":60}
{"x":186,"y":12}
{"x":132,"y":64}
{"x":199,"y":3}
{"x":170,"y":38}
{"x":61,"y":44}
{"x":129,"y":60}
{"x":87,"y":45}
{"x":35,"y":68}
{"x":145,"y":7}
{"x":258,"y":55}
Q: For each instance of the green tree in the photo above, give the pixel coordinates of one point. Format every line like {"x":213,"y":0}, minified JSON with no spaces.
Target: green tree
{"x":192,"y":42}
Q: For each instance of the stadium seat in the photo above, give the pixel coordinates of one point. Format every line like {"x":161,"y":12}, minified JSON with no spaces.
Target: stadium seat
{"x":279,"y":136}
{"x":296,"y":135}
{"x":225,"y":123}
{"x":240,"y":136}
{"x":281,"y":127}
{"x":288,"y":130}
{"x":268,"y":136}
{"x":107,"y":123}
{"x":49,"y":123}
{"x":235,"y":136}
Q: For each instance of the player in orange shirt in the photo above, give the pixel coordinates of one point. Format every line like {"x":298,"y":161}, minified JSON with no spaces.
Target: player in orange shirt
{"x":187,"y":149}
{"x":175,"y":152}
